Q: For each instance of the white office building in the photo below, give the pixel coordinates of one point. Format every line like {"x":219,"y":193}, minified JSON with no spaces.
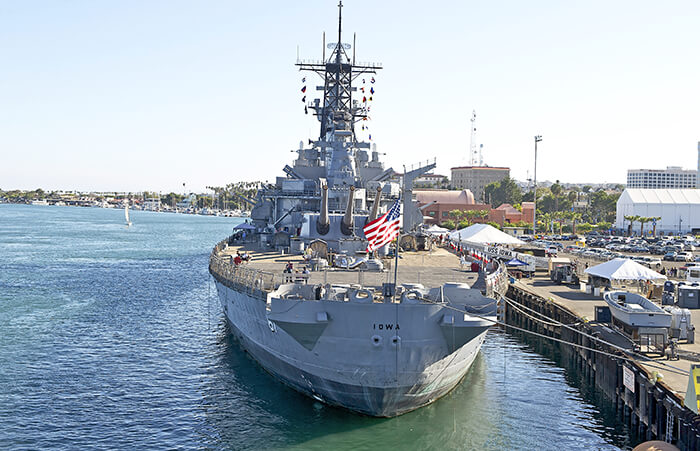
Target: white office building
{"x":673,"y":177}
{"x":679,"y":210}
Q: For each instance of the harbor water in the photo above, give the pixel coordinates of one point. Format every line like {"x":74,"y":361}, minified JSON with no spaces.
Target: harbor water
{"x":113,"y":338}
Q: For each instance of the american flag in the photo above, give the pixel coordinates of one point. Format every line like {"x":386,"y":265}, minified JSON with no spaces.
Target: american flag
{"x":383,"y":229}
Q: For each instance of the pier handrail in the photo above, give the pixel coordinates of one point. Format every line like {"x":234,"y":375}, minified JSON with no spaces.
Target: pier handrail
{"x":496,"y":281}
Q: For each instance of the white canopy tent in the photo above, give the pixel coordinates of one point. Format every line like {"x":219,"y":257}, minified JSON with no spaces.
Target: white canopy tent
{"x":623,"y":269}
{"x":436,"y":230}
{"x":483,"y":234}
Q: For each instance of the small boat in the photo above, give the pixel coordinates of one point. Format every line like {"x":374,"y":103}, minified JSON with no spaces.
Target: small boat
{"x":126,"y":214}
{"x":636,"y":310}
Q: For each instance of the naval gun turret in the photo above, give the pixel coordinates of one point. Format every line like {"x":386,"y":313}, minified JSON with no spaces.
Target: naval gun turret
{"x":347,"y":223}
{"x":323,"y":223}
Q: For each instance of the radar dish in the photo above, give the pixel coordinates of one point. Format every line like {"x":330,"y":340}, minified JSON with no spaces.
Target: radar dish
{"x":333,"y":44}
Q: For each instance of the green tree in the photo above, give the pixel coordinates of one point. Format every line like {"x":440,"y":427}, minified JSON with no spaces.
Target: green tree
{"x":457,"y":215}
{"x":463,"y":223}
{"x":603,"y":225}
{"x":643,"y":220}
{"x":547,"y":203}
{"x":448,"y":224}
{"x":575,"y":217}
{"x":632,"y":219}
{"x":545,"y":219}
{"x":603,"y":206}
{"x":556,"y":191}
{"x":585,"y":227}
{"x":504,"y":192}
{"x":172,"y":199}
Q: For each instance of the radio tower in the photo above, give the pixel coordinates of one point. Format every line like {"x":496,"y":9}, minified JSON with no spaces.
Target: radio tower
{"x":473,"y":152}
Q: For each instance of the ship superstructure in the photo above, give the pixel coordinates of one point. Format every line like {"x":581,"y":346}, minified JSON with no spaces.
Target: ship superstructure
{"x":338,"y":182}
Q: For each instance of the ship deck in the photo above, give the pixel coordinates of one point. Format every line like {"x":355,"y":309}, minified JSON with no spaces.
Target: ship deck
{"x":430,"y":268}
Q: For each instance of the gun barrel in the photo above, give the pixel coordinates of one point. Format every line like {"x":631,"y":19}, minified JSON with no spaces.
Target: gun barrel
{"x":323,"y":223}
{"x":346,"y":225}
{"x":375,"y":206}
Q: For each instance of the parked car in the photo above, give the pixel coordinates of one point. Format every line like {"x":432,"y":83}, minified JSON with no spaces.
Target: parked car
{"x":656,"y":250}
{"x":684,"y":257}
{"x":670,"y":256}
{"x":654,"y":263}
{"x":640,"y":249}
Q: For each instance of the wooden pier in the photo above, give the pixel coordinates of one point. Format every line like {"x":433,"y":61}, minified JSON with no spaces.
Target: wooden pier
{"x":647,"y":394}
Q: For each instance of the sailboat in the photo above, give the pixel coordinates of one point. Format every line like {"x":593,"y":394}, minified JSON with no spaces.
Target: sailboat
{"x":126,"y":214}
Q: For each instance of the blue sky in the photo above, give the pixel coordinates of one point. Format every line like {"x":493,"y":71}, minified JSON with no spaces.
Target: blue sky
{"x":146,"y":95}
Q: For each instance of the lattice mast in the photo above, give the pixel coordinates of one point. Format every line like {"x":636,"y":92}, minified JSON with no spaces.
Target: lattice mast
{"x":338,"y":113}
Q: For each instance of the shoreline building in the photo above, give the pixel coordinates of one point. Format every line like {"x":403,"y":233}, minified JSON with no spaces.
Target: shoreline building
{"x":475,"y":178}
{"x":673,"y":177}
{"x":679,"y":210}
{"x":437,"y":205}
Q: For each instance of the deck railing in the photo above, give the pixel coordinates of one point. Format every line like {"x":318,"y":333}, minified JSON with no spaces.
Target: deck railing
{"x":253,"y":282}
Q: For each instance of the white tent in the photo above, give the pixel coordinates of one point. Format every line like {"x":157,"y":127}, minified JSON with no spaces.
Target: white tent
{"x":623,"y":269}
{"x":483,"y":234}
{"x":679,"y":209}
{"x":436,"y":230}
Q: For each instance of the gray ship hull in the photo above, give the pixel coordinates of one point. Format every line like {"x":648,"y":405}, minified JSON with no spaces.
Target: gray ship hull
{"x":351,"y":355}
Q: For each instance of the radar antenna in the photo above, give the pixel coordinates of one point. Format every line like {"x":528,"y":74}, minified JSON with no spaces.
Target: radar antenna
{"x":337,"y":112}
{"x":473,"y":152}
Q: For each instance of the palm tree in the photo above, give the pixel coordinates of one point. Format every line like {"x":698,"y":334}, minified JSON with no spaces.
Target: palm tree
{"x":546,"y":219}
{"x":632,"y":219}
{"x":643,"y":220}
{"x":559,"y":216}
{"x":654,"y":219}
{"x":575,"y":217}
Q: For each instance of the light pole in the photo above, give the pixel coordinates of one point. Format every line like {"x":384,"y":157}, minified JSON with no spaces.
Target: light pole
{"x":538,"y":138}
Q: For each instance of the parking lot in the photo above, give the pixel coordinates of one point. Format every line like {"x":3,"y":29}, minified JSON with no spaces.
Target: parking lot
{"x":659,"y":254}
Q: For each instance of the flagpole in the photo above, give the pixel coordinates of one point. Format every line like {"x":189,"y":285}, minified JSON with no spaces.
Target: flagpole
{"x":396,"y":264}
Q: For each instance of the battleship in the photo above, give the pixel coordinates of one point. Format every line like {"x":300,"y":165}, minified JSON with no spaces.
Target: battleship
{"x":348,"y":330}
